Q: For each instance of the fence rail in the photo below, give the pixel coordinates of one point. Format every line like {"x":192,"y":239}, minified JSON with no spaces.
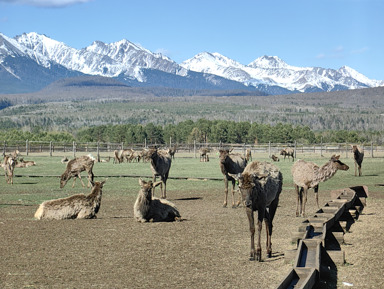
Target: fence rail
{"x":60,"y":148}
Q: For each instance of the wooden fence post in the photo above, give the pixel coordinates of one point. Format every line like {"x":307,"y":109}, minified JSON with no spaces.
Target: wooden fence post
{"x":372,"y":149}
{"x":194,"y":148}
{"x":98,"y":153}
{"x":74,"y":149}
{"x":50,"y":149}
{"x":26,"y":147}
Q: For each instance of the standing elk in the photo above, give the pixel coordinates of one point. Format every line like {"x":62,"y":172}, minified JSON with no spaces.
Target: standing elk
{"x":260,"y":185}
{"x":204,"y":154}
{"x":288,"y":152}
{"x":160,"y":166}
{"x":231,"y":163}
{"x":358,"y":156}
{"x":74,"y":169}
{"x":74,"y":207}
{"x":307,"y":175}
{"x":9,"y":164}
{"x":148,"y":208}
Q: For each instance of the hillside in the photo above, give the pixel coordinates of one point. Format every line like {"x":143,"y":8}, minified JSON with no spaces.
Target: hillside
{"x":72,"y":105}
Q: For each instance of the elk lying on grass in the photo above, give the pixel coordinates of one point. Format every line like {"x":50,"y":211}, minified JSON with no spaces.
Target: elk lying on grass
{"x":231,"y":163}
{"x":260,"y":185}
{"x":24,"y":164}
{"x":275,"y":158}
{"x":308,"y":175}
{"x":160,"y":166}
{"x":75,"y":167}
{"x":148,"y":208}
{"x":74,"y":207}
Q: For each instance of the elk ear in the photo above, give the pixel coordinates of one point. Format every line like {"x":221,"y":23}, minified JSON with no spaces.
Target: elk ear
{"x":92,"y":183}
{"x":141,"y":182}
{"x":103,"y":182}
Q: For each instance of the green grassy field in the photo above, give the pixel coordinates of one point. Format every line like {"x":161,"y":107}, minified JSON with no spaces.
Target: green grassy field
{"x":34,"y":184}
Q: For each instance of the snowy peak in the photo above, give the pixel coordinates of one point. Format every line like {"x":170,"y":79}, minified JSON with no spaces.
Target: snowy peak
{"x":268,"y":62}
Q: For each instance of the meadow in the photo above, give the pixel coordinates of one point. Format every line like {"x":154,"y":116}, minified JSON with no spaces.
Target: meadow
{"x":209,"y":248}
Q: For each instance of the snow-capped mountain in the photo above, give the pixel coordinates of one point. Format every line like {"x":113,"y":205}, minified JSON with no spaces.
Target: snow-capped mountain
{"x":31,"y":61}
{"x":272,"y":71}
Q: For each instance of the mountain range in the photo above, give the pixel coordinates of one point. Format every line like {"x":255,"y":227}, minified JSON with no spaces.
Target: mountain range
{"x":31,"y":61}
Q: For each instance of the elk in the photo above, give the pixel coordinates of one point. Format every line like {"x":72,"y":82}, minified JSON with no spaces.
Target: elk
{"x":9,"y":164}
{"x":260,"y":185}
{"x":160,"y":166}
{"x":74,"y":207}
{"x":275,"y":158}
{"x":24,"y":164}
{"x":307,"y":175}
{"x":172,"y":152}
{"x":148,"y":208}
{"x":358,"y":156}
{"x":248,"y":155}
{"x":75,"y":167}
{"x":288,"y":152}
{"x":204,"y":154}
{"x":230,"y":163}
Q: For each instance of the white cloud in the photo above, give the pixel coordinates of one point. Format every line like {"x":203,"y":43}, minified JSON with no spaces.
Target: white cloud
{"x":46,"y":3}
{"x":360,"y":51}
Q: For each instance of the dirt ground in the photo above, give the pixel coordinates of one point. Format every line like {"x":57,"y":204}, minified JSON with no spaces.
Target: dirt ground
{"x":208,"y":249}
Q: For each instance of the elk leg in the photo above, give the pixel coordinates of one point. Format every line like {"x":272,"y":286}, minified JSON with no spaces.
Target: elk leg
{"x":225,"y":192}
{"x":304,"y":200}
{"x":316,"y":189}
{"x":297,"y":200}
{"x":259,"y":227}
{"x":268,"y":231}
{"x":252,"y":230}
{"x":233,"y":195}
{"x":82,"y":183}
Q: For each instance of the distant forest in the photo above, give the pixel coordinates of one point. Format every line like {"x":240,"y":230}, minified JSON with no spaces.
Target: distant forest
{"x":189,"y":131}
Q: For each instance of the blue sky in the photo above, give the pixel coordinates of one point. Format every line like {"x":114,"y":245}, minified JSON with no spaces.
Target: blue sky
{"x":324,"y":33}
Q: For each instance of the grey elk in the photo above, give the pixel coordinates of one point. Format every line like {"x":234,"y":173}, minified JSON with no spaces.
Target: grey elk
{"x":74,"y":207}
{"x":260,"y":185}
{"x":148,"y":208}
{"x":75,"y":167}
{"x":307,"y":175}
{"x":230,"y":164}
{"x":160,"y":166}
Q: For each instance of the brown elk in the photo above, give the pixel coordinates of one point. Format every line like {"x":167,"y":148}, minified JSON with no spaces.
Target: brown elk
{"x":9,"y":164}
{"x":260,"y":185}
{"x":358,"y":156}
{"x":231,"y":163}
{"x":74,"y":207}
{"x":307,"y":175}
{"x":160,"y":166}
{"x":24,"y":164}
{"x":148,"y":208}
{"x":204,"y":154}
{"x":288,"y":152}
{"x":275,"y":158}
{"x":75,"y":167}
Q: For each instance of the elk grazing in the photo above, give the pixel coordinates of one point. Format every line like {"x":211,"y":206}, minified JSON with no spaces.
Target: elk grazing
{"x":307,"y":175}
{"x":9,"y":164}
{"x":358,"y":156}
{"x":75,"y":167}
{"x":231,"y":163}
{"x":172,"y":152}
{"x":74,"y":207}
{"x":288,"y":152}
{"x":148,"y":208}
{"x":160,"y":166}
{"x":260,"y":185}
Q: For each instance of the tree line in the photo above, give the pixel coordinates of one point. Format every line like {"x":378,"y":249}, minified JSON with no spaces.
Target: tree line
{"x":188,"y":131}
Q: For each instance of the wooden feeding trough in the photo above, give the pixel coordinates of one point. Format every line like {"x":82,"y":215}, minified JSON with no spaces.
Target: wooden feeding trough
{"x":323,"y":232}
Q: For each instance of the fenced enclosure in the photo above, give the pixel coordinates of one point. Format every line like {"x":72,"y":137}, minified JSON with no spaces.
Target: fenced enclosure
{"x":52,"y":148}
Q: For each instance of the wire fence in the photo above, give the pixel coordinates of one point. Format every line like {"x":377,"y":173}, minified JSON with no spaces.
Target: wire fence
{"x":52,"y":148}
